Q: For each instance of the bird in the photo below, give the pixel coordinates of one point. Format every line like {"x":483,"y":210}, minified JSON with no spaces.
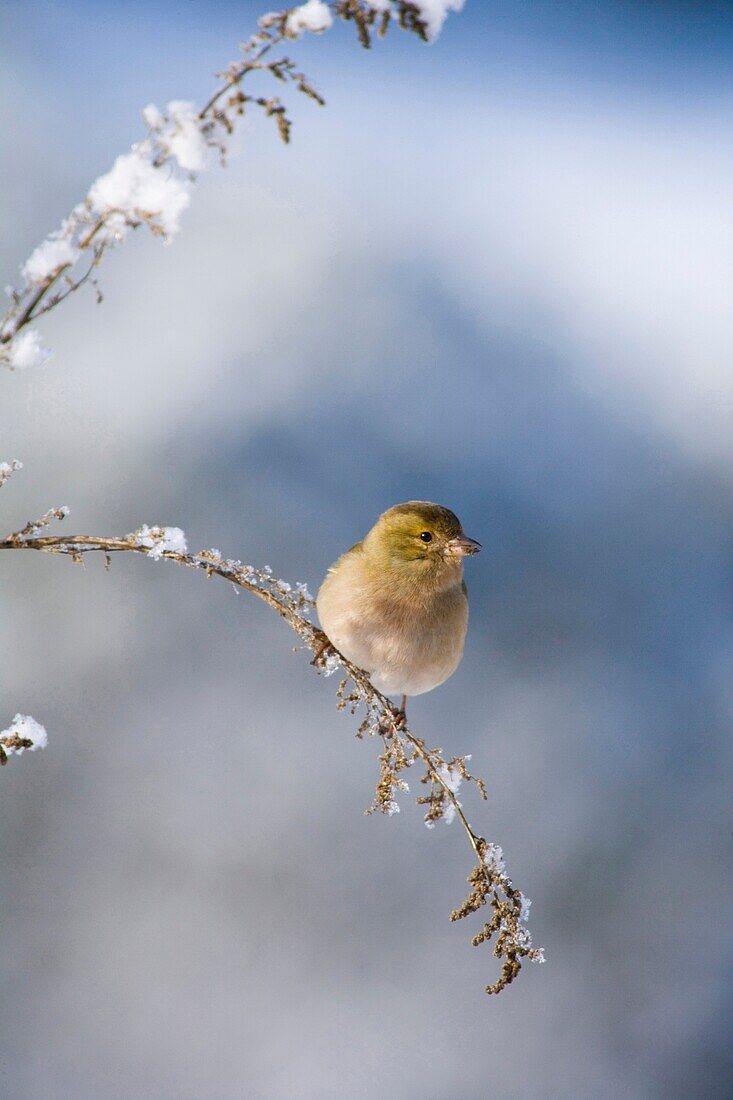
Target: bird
{"x":396,"y":603}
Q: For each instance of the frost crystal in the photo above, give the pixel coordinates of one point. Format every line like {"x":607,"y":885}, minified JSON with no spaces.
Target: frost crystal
{"x":26,"y":351}
{"x":159,"y":540}
{"x":7,"y":469}
{"x":46,"y":260}
{"x":494,"y":858}
{"x":23,"y":728}
{"x":452,"y":779}
{"x":522,"y":939}
{"x":524,"y":913}
{"x":134,"y":189}
{"x":331,"y":664}
{"x":313,"y":16}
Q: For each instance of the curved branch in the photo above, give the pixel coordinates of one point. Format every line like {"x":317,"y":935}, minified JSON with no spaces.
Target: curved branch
{"x":402,"y":747}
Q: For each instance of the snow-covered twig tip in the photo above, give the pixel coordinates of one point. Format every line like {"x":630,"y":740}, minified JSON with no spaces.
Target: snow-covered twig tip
{"x":22,"y":733}
{"x":7,"y":469}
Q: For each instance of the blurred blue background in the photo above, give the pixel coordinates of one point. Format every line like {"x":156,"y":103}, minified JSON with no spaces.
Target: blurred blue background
{"x":495,"y":273}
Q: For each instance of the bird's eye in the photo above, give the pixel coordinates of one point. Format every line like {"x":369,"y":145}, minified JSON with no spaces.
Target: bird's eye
{"x":426,"y":536}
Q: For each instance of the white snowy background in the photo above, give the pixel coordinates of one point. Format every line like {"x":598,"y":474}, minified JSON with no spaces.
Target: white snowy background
{"x":495,"y":272}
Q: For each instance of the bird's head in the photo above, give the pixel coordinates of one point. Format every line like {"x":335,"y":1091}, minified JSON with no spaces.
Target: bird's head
{"x":421,"y":540}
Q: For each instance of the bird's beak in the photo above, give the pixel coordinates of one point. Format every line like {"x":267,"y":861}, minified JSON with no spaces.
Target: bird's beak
{"x":462,"y":546}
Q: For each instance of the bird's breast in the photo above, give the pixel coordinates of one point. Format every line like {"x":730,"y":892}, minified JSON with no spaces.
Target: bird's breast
{"x":407,"y":646}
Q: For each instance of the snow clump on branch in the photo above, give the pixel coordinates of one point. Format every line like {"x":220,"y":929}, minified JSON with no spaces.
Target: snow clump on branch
{"x":314,"y":16}
{"x":48,"y":258}
{"x":134,"y":191}
{"x":26,"y":352}
{"x":160,"y":540}
{"x":7,"y":469}
{"x":178,"y":132}
{"x":22,"y":733}
{"x":452,"y":779}
{"x":433,"y":13}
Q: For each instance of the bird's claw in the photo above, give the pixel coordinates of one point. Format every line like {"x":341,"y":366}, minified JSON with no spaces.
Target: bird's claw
{"x":323,"y":647}
{"x":399,"y":718}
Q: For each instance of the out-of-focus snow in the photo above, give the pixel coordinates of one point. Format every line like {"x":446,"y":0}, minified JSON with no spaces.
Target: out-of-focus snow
{"x":434,"y":13}
{"x":26,"y":351}
{"x":314,"y":16}
{"x":179,"y":133}
{"x":134,"y":189}
{"x":47,"y":258}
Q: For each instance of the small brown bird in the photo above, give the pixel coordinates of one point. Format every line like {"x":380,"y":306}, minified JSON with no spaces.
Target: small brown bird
{"x":396,"y":604}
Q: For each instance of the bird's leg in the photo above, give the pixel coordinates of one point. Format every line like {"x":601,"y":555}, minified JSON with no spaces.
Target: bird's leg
{"x":400,"y":714}
{"x":323,"y":646}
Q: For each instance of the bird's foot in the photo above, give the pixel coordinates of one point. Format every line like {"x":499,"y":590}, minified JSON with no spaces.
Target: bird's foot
{"x":322,"y":649}
{"x":399,"y":718}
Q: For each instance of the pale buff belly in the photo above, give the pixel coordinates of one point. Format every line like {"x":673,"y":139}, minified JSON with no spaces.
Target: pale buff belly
{"x":405,"y":653}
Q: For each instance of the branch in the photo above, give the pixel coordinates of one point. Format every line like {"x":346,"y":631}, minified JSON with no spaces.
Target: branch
{"x":401,"y":747}
{"x":135,"y":192}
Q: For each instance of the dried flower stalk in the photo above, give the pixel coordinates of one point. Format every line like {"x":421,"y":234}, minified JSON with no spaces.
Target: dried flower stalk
{"x":378,"y":718}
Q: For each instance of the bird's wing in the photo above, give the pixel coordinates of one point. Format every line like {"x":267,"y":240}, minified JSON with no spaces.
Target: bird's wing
{"x":355,"y":549}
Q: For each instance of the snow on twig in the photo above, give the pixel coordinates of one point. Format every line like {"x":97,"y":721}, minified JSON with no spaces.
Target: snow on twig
{"x":182,"y":139}
{"x":22,"y":733}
